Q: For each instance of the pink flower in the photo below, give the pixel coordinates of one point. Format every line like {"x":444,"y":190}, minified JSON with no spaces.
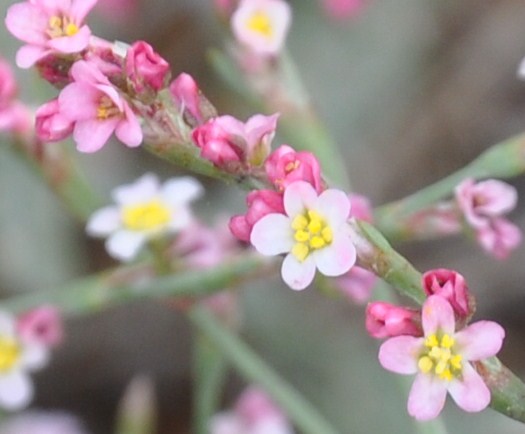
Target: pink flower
{"x":146,"y":68}
{"x":361,"y":207}
{"x":48,"y":26}
{"x":451,"y":286}
{"x":441,"y":359}
{"x":285,"y":166}
{"x":357,"y":284}
{"x":342,"y":9}
{"x":225,"y":140}
{"x":42,"y":326}
{"x":262,"y":25}
{"x":189,"y":99}
{"x":51,"y":125}
{"x":16,"y":118}
{"x":260,"y":203}
{"x":97,"y":109}
{"x":313,"y":233}
{"x":499,"y":238}
{"x":387,"y":320}
{"x":8,"y":86}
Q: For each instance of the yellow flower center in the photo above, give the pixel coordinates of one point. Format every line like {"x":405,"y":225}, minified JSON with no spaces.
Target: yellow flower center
{"x":106,"y":108}
{"x":439,"y":357}
{"x":58,"y":27}
{"x":146,"y":216}
{"x":311,"y":233}
{"x":9,"y":353}
{"x":260,"y":23}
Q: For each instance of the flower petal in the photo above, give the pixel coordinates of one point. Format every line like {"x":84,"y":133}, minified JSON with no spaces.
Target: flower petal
{"x":71,"y":44}
{"x":79,"y":101}
{"x":27,"y":23}
{"x":80,"y":8}
{"x":298,"y":196}
{"x":272,"y":235}
{"x":471,"y":393}
{"x":437,"y":314}
{"x":124,"y":245}
{"x":91,"y":135}
{"x":334,"y":206}
{"x":337,"y":258}
{"x":128,"y":129}
{"x":427,"y":397}
{"x":16,"y":390}
{"x":34,"y":357}
{"x":103,"y":222}
{"x":298,"y":275}
{"x":28,"y":55}
{"x":181,"y":190}
{"x":7,"y":324}
{"x":399,"y":354}
{"x":142,"y":190}
{"x":480,"y":340}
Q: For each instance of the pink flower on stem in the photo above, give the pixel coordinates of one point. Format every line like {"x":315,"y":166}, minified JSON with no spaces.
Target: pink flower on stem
{"x":260,"y":203}
{"x":262,"y":25}
{"x":285,"y":166}
{"x":97,"y":109}
{"x":385,"y":320}
{"x":51,"y":124}
{"x":499,"y":238}
{"x":313,"y":233}
{"x":190,"y":100}
{"x":146,"y":68}
{"x":357,"y":284}
{"x":42,"y":325}
{"x":441,"y":359}
{"x":226,"y":141}
{"x":47,"y":27}
{"x":450,"y":285}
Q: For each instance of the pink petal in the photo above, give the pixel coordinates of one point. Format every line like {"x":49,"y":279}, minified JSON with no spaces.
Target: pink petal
{"x":79,"y":101}
{"x":179,"y":191}
{"x":103,"y":222}
{"x":333,"y":205}
{"x":337,"y":258}
{"x":298,"y":275}
{"x":272,"y":235}
{"x":91,"y":135}
{"x":427,"y":397}
{"x":16,"y":390}
{"x":437,"y":314}
{"x":480,"y":340}
{"x":128,"y":130}
{"x":80,"y":8}
{"x":124,"y":245}
{"x":71,"y":44}
{"x":470,"y":393}
{"x":28,"y":55}
{"x":52,"y":7}
{"x":400,"y":354}
{"x":88,"y":72}
{"x":27,"y":23}
{"x":298,"y":196}
{"x":142,"y":190}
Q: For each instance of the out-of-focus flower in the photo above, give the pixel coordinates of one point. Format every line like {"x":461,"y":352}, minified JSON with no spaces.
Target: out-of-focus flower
{"x":254,"y":413}
{"x":33,"y":422}
{"x":441,"y":360}
{"x":118,"y":11}
{"x":385,"y":320}
{"x":144,"y":210}
{"x":146,"y":68}
{"x":361,"y":207}
{"x":343,"y":9}
{"x":18,"y":357}
{"x":15,"y":117}
{"x":50,"y":124}
{"x":230,"y":143}
{"x":313,"y":233}
{"x":450,"y":285}
{"x":499,"y":238}
{"x":357,"y":284}
{"x":42,"y":326}
{"x":8,"y":86}
{"x":285,"y":166}
{"x":262,"y":25}
{"x":48,"y":27}
{"x":97,"y":109}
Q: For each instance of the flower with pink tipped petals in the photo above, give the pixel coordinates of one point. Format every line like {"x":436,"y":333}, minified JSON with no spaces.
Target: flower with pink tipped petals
{"x":450,"y":285}
{"x":145,"y":67}
{"x":50,"y":124}
{"x":97,"y":109}
{"x":42,"y":325}
{"x":313,"y":233}
{"x":48,"y":27}
{"x":385,"y":320}
{"x":262,"y":25}
{"x":285,"y":166}
{"x":357,"y":284}
{"x":440,"y":359}
{"x":499,"y":238}
{"x":145,"y":210}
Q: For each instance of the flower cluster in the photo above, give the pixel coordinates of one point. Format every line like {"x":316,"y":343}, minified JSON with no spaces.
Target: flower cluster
{"x":14,"y":116}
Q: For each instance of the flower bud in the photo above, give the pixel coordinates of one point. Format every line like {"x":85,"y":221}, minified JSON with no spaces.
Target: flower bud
{"x":451,"y":286}
{"x":145,"y":67}
{"x":42,"y":325}
{"x":387,"y":320}
{"x":50,"y":124}
{"x":187,"y":96}
{"x":499,"y":238}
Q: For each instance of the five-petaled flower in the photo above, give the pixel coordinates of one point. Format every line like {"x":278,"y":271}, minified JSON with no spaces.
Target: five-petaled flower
{"x":144,"y":211}
{"x":441,"y":360}
{"x":313,"y":232}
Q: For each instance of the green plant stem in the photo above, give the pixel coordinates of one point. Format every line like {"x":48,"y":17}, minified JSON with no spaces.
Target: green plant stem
{"x":255,"y":370}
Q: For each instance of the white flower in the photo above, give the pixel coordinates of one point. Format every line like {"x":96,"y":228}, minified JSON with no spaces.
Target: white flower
{"x":262,"y":25}
{"x":313,"y":232}
{"x":17,"y":358}
{"x":144,"y":210}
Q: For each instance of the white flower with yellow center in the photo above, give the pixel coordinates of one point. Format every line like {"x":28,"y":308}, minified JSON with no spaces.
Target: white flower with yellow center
{"x":313,"y":233}
{"x":144,"y":211}
{"x":17,"y":358}
{"x":262,"y":25}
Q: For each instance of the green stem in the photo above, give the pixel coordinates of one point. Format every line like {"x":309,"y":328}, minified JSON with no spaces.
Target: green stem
{"x":255,"y":370}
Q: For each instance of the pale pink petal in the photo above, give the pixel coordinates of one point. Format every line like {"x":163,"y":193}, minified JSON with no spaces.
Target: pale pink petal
{"x":298,"y":275}
{"x":80,"y":8}
{"x":27,"y":23}
{"x":128,"y":129}
{"x":298,"y":196}
{"x":16,"y":390}
{"x":88,"y":72}
{"x":337,"y":258}
{"x":427,"y":397}
{"x":181,"y":219}
{"x":71,"y":44}
{"x":53,"y":6}
{"x":124,"y":245}
{"x":400,"y":354}
{"x":272,"y":235}
{"x":480,"y":340}
{"x":28,"y":55}
{"x":334,"y":206}
{"x":437,"y":315}
{"x":227,"y":423}
{"x":34,"y":357}
{"x":104,"y":222}
{"x":470,"y":393}
{"x":181,"y":190}
{"x":91,"y":135}
{"x":7,"y":324}
{"x":79,"y":101}
{"x":142,"y":190}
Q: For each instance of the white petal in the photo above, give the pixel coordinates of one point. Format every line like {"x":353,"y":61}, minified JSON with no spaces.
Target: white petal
{"x":34,"y":357}
{"x":7,"y":324}
{"x":298,"y":275}
{"x":181,"y":219}
{"x":142,"y":190}
{"x":272,"y":235}
{"x":104,"y":222}
{"x":124,"y":245}
{"x":337,"y":258}
{"x":334,"y":206}
{"x":299,"y":196}
{"x":181,"y":190}
{"x":16,"y":390}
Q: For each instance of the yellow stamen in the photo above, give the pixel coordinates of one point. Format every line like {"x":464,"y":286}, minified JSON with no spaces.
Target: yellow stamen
{"x":301,"y":236}
{"x":300,"y":251}
{"x":317,"y":242}
{"x":311,"y":233}
{"x":425,"y":364}
{"x":146,"y":216}
{"x":106,"y":108}
{"x":260,"y":23}
{"x":9,"y":353}
{"x":299,"y":222}
{"x":439,"y":357}
{"x":58,"y":27}
{"x":291,"y":166}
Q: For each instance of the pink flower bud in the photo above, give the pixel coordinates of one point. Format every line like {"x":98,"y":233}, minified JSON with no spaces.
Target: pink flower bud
{"x":50,"y":124}
{"x":8,"y":87}
{"x":190,"y":100}
{"x":357,"y":284}
{"x":499,"y":238}
{"x":361,"y":208}
{"x":450,"y":285}
{"x":387,"y":320}
{"x":285,"y":166}
{"x":146,"y":68}
{"x":41,"y":326}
